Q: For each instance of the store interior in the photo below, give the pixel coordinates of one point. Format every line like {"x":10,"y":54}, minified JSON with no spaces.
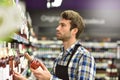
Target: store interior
{"x":36,"y":22}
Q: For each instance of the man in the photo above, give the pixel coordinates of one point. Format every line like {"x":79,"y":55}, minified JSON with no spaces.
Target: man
{"x":74,"y":62}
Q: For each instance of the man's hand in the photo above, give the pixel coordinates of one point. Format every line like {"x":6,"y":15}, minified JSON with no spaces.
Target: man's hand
{"x":41,"y":73}
{"x":18,"y":76}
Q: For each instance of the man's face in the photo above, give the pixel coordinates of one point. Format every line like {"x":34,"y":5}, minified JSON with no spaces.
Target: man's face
{"x":63,"y":30}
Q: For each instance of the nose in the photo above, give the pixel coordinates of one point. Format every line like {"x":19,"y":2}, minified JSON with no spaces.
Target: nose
{"x":57,"y":28}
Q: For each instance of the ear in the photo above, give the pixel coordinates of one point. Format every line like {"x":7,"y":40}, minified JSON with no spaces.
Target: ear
{"x":75,"y":30}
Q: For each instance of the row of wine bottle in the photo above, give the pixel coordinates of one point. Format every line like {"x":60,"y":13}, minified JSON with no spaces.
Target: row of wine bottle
{"x":12,"y":58}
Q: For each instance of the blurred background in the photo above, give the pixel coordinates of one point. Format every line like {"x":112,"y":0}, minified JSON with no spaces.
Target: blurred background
{"x":101,"y":17}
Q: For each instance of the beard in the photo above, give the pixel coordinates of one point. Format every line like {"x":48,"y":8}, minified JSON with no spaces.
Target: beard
{"x":64,"y":37}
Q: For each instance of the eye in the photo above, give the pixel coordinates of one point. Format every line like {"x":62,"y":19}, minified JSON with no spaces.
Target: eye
{"x":62,"y":25}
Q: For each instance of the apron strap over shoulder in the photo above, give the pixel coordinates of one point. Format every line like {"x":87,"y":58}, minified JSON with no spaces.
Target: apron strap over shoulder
{"x":73,"y":52}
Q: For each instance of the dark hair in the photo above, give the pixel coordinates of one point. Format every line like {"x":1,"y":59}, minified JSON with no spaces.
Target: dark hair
{"x":76,"y":20}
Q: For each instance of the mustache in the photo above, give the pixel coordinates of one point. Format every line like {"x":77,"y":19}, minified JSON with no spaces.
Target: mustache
{"x":57,"y":31}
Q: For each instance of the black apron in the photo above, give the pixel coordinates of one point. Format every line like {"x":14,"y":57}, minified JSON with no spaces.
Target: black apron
{"x":62,"y":71}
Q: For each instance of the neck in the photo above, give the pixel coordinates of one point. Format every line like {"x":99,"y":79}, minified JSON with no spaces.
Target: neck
{"x":68,"y":43}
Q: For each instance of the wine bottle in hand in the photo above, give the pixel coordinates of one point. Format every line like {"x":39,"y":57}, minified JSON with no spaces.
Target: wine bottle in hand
{"x":33,"y":62}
